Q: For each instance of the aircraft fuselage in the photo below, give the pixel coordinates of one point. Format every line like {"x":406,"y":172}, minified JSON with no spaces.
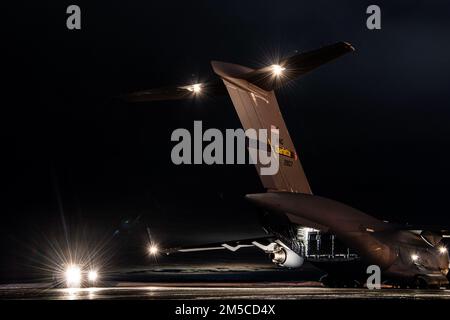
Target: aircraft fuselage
{"x":402,"y":255}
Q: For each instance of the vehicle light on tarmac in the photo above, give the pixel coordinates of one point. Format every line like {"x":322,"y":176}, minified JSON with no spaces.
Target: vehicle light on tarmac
{"x":73,"y":276}
{"x":442,"y":249}
{"x":92,"y":276}
{"x":414,"y":257}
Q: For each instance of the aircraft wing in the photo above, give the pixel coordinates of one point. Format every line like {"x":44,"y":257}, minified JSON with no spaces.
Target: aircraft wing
{"x":441,"y":230}
{"x":225,"y":245}
{"x":432,"y":234}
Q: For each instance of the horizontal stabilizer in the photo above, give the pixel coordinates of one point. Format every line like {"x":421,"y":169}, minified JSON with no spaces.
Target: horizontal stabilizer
{"x":177,"y":92}
{"x":296,"y":66}
{"x":293,"y":67}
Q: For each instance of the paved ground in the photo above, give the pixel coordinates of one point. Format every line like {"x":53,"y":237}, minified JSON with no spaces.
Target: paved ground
{"x":296,"y":291}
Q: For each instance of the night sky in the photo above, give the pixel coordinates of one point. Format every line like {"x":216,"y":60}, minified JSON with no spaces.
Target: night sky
{"x":372,"y":129}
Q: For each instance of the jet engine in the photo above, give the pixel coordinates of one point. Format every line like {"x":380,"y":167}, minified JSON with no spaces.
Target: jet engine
{"x":285,"y":257}
{"x":281,"y":254}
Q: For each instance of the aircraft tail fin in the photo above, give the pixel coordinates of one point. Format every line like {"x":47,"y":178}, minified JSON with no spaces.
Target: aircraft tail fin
{"x":252,"y":94}
{"x":258,"y":109}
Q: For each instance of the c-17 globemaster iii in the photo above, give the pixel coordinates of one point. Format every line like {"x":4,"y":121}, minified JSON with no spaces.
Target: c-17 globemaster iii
{"x":298,"y":223}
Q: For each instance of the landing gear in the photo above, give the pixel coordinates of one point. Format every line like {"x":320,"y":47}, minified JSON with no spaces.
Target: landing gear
{"x":327,"y":281}
{"x":420,"y":283}
{"x":398,"y":285}
{"x":334,"y":282}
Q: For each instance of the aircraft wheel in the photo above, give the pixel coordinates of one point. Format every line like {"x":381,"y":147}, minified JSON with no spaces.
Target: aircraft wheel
{"x":331,"y":282}
{"x":401,"y":285}
{"x":328,"y":281}
{"x":419,"y":283}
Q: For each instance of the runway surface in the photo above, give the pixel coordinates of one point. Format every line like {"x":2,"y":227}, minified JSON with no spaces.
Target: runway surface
{"x":209,"y":280}
{"x":195,"y":291}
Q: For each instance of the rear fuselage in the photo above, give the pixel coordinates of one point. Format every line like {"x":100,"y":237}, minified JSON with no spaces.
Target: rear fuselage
{"x":401,"y":255}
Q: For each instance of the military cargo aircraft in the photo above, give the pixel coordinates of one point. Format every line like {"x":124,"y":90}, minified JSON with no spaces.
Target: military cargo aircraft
{"x":298,"y":223}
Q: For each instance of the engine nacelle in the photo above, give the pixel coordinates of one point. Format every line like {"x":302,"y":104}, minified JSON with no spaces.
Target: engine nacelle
{"x":281,"y":254}
{"x":285,"y":257}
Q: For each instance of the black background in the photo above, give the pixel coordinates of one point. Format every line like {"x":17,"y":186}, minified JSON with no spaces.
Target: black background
{"x":372,"y":129}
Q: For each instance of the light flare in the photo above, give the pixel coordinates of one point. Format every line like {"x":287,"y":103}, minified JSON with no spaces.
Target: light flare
{"x":73,"y":276}
{"x":92,"y":276}
{"x":153,"y":249}
{"x":195,"y":88}
{"x":277,"y":70}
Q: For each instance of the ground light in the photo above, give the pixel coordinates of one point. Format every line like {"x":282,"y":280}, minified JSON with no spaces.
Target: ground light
{"x":92,"y":276}
{"x":73,"y":276}
{"x":153,"y":249}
